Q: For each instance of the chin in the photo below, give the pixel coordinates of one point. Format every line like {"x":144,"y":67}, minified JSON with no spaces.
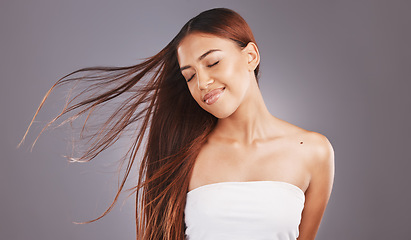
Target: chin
{"x":222,"y":113}
{"x":220,"y":109}
{"x":221,"y":116}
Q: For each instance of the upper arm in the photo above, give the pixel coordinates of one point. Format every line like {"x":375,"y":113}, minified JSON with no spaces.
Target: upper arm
{"x":319,"y":190}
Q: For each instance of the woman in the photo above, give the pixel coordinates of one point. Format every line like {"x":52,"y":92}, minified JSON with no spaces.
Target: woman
{"x":217,"y":164}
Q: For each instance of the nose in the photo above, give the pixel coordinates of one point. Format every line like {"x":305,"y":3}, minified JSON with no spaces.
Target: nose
{"x":204,"y":80}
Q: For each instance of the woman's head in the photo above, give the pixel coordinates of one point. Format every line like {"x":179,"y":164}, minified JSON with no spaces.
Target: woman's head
{"x":217,"y":50}
{"x":218,"y":72}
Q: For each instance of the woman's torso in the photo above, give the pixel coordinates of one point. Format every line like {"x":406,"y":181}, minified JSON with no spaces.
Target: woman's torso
{"x":268,"y":176}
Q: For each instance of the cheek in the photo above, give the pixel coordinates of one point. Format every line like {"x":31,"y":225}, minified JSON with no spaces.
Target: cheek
{"x":235,"y":75}
{"x":234,"y":66}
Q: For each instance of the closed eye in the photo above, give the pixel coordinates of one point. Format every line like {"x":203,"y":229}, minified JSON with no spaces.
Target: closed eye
{"x":191,"y":77}
{"x":213,"y":64}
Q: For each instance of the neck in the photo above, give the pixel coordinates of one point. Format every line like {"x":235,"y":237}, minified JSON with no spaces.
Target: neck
{"x":250,"y":122}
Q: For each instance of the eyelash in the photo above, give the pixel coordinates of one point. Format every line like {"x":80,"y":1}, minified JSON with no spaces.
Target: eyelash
{"x":207,"y":66}
{"x":213,"y":64}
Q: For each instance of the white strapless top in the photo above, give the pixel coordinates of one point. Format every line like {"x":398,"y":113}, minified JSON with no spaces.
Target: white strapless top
{"x":255,"y":210}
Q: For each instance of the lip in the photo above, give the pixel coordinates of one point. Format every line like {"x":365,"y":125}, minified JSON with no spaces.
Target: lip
{"x":213,"y":95}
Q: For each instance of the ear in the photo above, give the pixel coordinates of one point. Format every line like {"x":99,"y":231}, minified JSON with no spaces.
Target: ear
{"x":253,"y":55}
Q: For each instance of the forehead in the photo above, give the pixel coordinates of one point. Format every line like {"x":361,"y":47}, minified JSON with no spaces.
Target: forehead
{"x":195,"y":44}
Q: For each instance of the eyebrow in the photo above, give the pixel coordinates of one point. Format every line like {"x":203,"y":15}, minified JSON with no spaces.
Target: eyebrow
{"x":201,"y":58}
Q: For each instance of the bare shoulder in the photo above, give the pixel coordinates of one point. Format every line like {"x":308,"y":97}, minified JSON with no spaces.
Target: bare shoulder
{"x":314,"y":147}
{"x":317,"y":145}
{"x":318,"y":149}
{"x":321,"y":148}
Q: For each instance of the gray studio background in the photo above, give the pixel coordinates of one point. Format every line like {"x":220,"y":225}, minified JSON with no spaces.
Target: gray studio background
{"x":341,"y":68}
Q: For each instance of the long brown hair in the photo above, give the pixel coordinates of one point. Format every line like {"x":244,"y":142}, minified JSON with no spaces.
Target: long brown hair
{"x":151,"y":98}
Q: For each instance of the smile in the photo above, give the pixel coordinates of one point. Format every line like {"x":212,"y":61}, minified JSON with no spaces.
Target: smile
{"x":213,"y":95}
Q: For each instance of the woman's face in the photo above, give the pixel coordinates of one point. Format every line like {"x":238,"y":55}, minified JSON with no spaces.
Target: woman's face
{"x":218,"y":72}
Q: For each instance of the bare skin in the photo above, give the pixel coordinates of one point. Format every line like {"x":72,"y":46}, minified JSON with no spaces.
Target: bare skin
{"x":249,"y":143}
